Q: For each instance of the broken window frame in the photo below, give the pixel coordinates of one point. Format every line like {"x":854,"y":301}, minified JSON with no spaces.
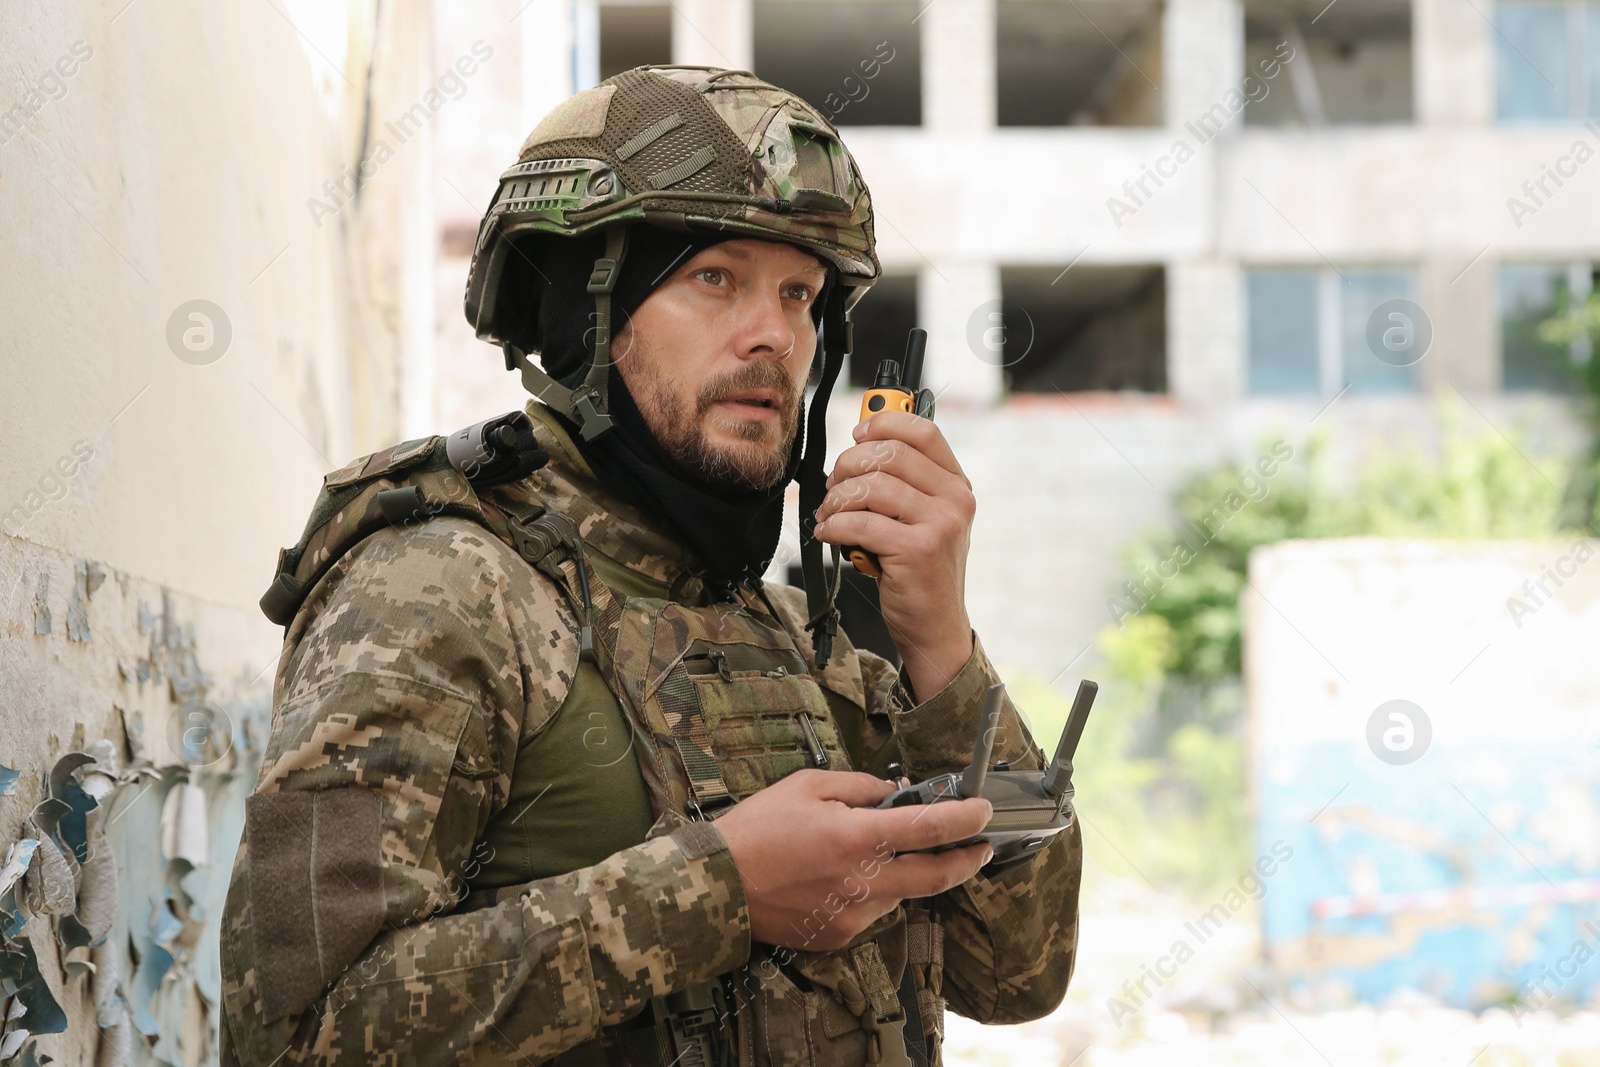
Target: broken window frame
{"x":1312,"y":106}
{"x":854,"y":71}
{"x":1123,"y":66}
{"x":1154,"y":369}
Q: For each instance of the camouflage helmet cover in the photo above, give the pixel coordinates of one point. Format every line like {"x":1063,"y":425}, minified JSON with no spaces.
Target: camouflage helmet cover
{"x":687,"y":148}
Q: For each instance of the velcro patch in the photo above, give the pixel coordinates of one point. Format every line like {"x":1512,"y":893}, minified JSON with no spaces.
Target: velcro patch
{"x":316,"y":890}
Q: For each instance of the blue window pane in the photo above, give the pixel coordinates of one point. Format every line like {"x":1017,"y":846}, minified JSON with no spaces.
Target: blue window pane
{"x":1361,"y":293}
{"x":1531,"y":69}
{"x":1282,"y":308}
{"x":1591,"y":58}
{"x":1529,"y":295}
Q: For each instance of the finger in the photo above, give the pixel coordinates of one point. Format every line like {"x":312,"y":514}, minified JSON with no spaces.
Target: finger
{"x":916,"y":827}
{"x":929,"y":874}
{"x":922,"y":434}
{"x":901,"y":459}
{"x":880,"y":492}
{"x":882,"y":536}
{"x":854,"y":788}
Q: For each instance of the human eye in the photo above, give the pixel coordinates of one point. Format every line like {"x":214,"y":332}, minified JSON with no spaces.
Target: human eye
{"x":800,"y":291}
{"x":711,"y":275}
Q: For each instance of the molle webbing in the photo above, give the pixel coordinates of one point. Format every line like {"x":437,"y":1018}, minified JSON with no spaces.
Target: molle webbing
{"x":413,"y":483}
{"x":353,"y":504}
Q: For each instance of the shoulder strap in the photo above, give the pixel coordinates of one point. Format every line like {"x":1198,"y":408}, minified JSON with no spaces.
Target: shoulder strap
{"x":417,"y":481}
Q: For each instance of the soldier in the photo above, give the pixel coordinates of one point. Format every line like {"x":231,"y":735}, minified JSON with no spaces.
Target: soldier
{"x":553,"y":775}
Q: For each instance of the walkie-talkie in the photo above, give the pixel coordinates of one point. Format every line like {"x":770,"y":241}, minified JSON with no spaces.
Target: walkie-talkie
{"x":1030,"y":807}
{"x":896,"y":388}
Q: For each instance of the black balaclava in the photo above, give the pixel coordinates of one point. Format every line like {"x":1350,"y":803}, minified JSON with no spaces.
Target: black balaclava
{"x":735,"y":532}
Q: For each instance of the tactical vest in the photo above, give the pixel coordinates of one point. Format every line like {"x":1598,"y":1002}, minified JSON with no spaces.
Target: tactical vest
{"x":718,"y":703}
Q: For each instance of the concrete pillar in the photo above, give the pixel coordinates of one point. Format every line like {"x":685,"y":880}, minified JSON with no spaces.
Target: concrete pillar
{"x":1453,"y":53}
{"x":958,"y":65}
{"x":958,"y":96}
{"x":548,"y":37}
{"x":955,"y":303}
{"x":715,"y":33}
{"x":1462,"y":302}
{"x":1203,"y":42}
{"x":1206,"y":333}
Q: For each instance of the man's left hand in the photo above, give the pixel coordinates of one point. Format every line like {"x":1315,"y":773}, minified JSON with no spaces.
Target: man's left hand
{"x":899,"y":493}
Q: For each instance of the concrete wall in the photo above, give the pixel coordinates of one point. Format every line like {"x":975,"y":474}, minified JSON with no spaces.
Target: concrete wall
{"x":1424,"y":739}
{"x":152,"y":472}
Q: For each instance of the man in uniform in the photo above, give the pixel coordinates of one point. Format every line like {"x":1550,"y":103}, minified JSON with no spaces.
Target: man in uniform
{"x":553,"y":775}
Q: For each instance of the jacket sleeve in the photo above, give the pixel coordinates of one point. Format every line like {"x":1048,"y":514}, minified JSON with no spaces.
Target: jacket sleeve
{"x":1010,"y":942}
{"x":405,"y":689}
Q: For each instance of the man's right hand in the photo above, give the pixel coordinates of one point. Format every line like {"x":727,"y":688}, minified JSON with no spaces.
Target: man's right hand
{"x":820,"y":864}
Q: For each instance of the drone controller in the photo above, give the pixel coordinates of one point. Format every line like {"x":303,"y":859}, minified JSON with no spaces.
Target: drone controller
{"x":1030,"y":807}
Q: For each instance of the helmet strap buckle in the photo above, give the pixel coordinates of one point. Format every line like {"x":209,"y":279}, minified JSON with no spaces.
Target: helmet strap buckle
{"x":592,"y":421}
{"x":603,"y":279}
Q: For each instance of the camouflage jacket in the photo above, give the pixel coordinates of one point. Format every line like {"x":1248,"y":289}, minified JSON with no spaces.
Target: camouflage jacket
{"x":417,"y":671}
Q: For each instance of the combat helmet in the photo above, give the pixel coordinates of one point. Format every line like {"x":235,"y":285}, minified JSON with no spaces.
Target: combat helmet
{"x":696,"y":149}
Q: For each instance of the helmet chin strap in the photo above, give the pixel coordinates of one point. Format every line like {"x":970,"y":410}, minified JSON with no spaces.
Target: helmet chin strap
{"x":587,"y":404}
{"x":820,"y":592}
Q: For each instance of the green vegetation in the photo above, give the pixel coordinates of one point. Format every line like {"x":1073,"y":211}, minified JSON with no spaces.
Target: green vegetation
{"x":1580,"y":322}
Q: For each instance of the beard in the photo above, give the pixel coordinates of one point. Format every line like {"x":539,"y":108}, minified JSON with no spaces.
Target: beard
{"x":758,"y":462}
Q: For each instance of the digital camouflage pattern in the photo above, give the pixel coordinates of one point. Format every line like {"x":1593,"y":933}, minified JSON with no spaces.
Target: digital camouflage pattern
{"x":424,"y":665}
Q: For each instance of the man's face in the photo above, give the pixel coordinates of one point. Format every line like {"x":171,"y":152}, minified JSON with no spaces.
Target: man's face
{"x":716,"y":358}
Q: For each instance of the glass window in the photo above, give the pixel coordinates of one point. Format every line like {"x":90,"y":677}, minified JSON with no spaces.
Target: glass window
{"x":1530,"y":295}
{"x":1532,"y":76}
{"x":1282,"y":346}
{"x":1308,"y":330}
{"x":1360,"y":293}
{"x":1590,"y":55}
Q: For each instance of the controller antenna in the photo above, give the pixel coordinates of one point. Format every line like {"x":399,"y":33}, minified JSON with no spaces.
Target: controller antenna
{"x":977,"y":771}
{"x":1061,"y":766}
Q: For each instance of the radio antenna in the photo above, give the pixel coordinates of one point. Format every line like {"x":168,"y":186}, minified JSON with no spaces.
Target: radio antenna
{"x":911,"y":366}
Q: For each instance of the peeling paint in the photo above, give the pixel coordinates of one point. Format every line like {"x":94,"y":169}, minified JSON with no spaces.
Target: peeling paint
{"x":41,"y":605}
{"x":78,"y":604}
{"x":110,"y":900}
